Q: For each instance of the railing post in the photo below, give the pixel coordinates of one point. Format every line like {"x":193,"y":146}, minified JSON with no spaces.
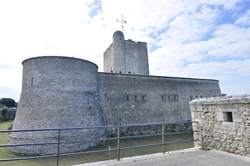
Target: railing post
{"x":58,"y":146}
{"x":118,"y":144}
{"x":163,"y":138}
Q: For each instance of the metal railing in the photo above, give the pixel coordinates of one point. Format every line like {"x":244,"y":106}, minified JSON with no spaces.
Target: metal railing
{"x":118,"y":138}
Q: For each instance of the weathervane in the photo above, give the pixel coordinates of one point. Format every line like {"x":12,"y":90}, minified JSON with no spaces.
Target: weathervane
{"x":122,"y":21}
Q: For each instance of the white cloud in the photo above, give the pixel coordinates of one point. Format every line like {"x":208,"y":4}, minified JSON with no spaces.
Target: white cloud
{"x":244,"y":19}
{"x":228,"y":5}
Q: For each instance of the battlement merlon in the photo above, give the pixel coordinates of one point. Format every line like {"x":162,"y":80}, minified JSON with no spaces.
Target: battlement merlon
{"x":136,"y":42}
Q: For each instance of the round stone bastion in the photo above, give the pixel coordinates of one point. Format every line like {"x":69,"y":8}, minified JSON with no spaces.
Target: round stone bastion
{"x":57,"y":92}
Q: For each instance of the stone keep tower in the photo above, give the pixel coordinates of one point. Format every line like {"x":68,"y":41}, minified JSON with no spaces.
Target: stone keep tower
{"x":126,"y":56}
{"x":57,"y":92}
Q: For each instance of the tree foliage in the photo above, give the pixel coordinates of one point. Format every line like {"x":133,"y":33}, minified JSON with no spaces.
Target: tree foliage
{"x":4,"y":113}
{"x":8,"y":102}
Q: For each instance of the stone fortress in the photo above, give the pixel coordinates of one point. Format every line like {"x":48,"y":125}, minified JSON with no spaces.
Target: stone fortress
{"x":61,"y":92}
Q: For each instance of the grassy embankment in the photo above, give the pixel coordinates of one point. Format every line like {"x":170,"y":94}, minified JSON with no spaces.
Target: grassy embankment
{"x":80,"y":159}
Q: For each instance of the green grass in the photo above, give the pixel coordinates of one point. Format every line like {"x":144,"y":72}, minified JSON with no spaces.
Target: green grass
{"x":80,"y":159}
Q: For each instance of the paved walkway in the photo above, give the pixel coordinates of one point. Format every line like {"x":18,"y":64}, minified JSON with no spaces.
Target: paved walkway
{"x":187,"y":157}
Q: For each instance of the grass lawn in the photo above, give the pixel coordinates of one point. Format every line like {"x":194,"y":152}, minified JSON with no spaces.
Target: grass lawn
{"x":80,"y":159}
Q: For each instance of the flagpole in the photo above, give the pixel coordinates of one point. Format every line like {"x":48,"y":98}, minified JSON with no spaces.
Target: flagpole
{"x":122,"y":23}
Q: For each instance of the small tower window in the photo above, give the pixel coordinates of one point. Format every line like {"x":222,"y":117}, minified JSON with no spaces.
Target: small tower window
{"x":136,"y":98}
{"x":32,"y":81}
{"x":169,"y":97}
{"x":162,"y":97}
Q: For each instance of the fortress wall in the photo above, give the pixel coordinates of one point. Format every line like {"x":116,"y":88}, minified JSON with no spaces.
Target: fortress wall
{"x":57,"y":92}
{"x":107,"y":59}
{"x":142,"y":59}
{"x":136,"y":99}
{"x":137,"y":57}
{"x":131,"y":62}
{"x":223,"y":123}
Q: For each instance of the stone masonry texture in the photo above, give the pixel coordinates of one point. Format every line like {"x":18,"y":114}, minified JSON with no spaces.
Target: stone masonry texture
{"x":57,"y":92}
{"x":137,"y":99}
{"x":223,"y":123}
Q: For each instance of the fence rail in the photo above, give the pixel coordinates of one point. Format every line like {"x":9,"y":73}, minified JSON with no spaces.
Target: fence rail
{"x":118,"y":138}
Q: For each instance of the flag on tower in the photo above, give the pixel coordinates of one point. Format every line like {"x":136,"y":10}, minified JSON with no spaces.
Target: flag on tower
{"x":125,"y":22}
{"x":117,"y":20}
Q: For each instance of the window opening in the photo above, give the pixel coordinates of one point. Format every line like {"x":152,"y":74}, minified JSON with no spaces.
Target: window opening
{"x":169,"y":97}
{"x":143,"y":98}
{"x":162,"y":98}
{"x":128,"y":98}
{"x":32,"y":81}
{"x":227,"y":116}
{"x":136,"y":98}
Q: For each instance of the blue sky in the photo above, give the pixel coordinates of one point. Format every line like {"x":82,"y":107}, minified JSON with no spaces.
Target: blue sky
{"x":186,"y":38}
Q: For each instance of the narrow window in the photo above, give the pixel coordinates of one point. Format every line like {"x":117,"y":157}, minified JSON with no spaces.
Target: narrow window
{"x":196,"y":96}
{"x":136,"y":98}
{"x":143,"y":98}
{"x":169,"y":97}
{"x":191,"y":97}
{"x":32,"y":81}
{"x":162,"y":97}
{"x":128,"y":98}
{"x":214,"y":95}
{"x":227,"y":116}
{"x":175,"y":97}
{"x":201,"y":96}
{"x":105,"y":95}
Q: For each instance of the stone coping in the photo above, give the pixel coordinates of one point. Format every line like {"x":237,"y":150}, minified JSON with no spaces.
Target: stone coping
{"x":55,"y":56}
{"x":164,"y":77}
{"x":236,"y":99}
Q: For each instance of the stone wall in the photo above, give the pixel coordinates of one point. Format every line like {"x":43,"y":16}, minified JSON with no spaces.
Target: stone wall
{"x":137,"y":99}
{"x":62,"y":92}
{"x":223,"y":123}
{"x":57,"y":92}
{"x":137,"y":57}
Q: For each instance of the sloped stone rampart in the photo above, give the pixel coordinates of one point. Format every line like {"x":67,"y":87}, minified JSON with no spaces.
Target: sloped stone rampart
{"x":223,"y":123}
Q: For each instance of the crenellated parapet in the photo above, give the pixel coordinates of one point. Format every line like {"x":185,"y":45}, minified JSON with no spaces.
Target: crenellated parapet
{"x":126,"y":56}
